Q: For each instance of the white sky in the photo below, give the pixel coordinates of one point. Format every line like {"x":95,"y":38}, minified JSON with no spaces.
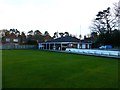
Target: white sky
{"x":73,"y":16}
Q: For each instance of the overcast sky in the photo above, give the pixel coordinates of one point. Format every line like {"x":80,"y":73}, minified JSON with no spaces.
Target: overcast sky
{"x":73,"y":16}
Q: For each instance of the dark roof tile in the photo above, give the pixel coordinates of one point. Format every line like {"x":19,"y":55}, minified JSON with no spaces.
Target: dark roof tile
{"x":65,"y":39}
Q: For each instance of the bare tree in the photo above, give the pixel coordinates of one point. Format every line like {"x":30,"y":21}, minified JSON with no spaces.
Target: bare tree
{"x":37,"y":32}
{"x":117,"y":13}
{"x":55,"y":35}
{"x":80,"y":36}
{"x":104,"y":22}
{"x":66,"y":33}
{"x":61,"y":34}
{"x":30,"y":32}
{"x":46,"y":33}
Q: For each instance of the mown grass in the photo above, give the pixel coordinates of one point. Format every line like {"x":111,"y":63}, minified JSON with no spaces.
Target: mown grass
{"x":43,"y":69}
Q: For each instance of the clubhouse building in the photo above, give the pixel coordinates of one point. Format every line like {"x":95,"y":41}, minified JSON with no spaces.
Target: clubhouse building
{"x":62,"y":43}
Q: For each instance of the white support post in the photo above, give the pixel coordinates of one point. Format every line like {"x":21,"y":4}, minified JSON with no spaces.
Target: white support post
{"x":88,"y":46}
{"x":78,"y":45}
{"x":40,"y":46}
{"x":54,"y":46}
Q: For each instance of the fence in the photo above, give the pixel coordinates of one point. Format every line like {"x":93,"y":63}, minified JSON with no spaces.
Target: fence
{"x":18,"y":47}
{"x":95,"y":52}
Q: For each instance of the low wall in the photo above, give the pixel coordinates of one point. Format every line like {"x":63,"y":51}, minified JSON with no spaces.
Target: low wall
{"x":18,"y":47}
{"x":94,"y":52}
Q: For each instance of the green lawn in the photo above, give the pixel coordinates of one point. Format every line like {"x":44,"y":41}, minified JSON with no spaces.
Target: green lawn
{"x":43,"y":69}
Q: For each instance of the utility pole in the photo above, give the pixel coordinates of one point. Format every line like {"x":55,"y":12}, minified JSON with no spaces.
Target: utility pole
{"x":80,"y":36}
{"x":119,"y":22}
{"x":80,"y":33}
{"x":119,"y":17}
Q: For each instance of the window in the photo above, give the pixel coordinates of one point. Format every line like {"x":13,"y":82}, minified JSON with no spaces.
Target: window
{"x":15,"y":40}
{"x":7,"y":39}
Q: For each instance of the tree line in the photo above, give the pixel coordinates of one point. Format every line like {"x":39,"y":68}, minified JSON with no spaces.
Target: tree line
{"x":105,"y":27}
{"x":32,"y":37}
{"x":105,"y":30}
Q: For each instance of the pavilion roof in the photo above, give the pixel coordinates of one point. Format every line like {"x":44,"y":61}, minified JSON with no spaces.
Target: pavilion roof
{"x":65,"y":39}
